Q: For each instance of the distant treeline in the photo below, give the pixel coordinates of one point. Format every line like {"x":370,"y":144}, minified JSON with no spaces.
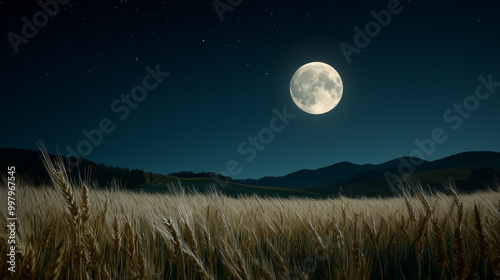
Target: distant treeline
{"x":104,"y":175}
{"x":189,"y":174}
{"x":486,"y":175}
{"x":30,"y":166}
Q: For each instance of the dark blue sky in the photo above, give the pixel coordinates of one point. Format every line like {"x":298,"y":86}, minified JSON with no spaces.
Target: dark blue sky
{"x":225,"y":78}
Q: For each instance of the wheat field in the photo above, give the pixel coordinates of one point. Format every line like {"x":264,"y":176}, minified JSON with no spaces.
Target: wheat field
{"x":75,"y":231}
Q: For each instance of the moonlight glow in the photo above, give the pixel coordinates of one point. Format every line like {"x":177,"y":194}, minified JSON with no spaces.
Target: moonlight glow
{"x":316,"y":88}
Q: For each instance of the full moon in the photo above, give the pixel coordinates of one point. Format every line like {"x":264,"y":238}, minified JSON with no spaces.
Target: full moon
{"x":316,"y":88}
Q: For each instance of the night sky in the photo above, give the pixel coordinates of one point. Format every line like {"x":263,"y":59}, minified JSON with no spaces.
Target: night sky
{"x":227,"y":79}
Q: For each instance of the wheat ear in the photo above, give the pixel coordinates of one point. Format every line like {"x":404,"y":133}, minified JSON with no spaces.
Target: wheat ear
{"x":279,"y":259}
{"x":480,"y":236}
{"x":262,"y":272}
{"x":439,"y":239}
{"x":116,"y":236}
{"x":55,"y":267}
{"x":47,"y":236}
{"x":459,"y":262}
{"x":191,"y":239}
{"x":195,"y":262}
{"x":85,"y":206}
{"x":317,"y":238}
{"x":68,"y":195}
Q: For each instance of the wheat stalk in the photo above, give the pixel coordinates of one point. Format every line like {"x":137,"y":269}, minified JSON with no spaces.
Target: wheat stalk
{"x":279,"y":259}
{"x":480,"y":236}
{"x":495,"y":249}
{"x":28,"y":264}
{"x":195,"y":262}
{"x":262,"y":271}
{"x":390,"y":243}
{"x":229,"y":260}
{"x":55,"y":267}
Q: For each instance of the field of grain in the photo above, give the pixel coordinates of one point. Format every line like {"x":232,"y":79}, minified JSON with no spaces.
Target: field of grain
{"x":76,"y":231}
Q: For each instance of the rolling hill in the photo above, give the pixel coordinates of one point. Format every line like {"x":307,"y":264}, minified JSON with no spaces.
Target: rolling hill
{"x":469,"y":171}
{"x":371,"y":178}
